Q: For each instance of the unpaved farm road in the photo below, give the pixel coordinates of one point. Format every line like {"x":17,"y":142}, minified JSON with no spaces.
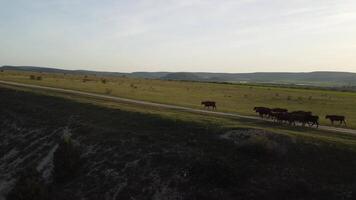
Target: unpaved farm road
{"x":181,"y":108}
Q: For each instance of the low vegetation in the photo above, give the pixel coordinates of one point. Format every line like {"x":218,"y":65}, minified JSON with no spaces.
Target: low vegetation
{"x":238,"y":98}
{"x":67,"y":160}
{"x":29,"y":186}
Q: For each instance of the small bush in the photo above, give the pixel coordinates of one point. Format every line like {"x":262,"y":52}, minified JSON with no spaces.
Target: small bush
{"x":32,"y":77}
{"x":310,"y":97}
{"x":29,"y":186}
{"x":39,"y":78}
{"x":133,"y":86}
{"x":66,"y":160}
{"x":289,"y":98}
{"x":103,"y":81}
{"x":277,"y":95}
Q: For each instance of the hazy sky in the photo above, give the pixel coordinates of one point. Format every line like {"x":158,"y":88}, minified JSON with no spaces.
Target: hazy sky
{"x":180,"y":35}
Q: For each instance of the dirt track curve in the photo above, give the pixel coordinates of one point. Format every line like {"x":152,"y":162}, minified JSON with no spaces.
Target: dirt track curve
{"x":133,"y":101}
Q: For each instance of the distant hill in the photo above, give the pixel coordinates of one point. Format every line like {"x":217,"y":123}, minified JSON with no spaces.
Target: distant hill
{"x":62,"y":71}
{"x":320,"y":78}
{"x":182,"y":76}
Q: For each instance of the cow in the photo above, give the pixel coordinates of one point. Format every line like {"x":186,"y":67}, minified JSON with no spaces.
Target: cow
{"x":282,"y":117}
{"x":275,"y":112}
{"x":299,"y":117}
{"x":279,"y":110}
{"x":312,"y":120}
{"x":208,"y":104}
{"x":302,"y":112}
{"x":337,"y":118}
{"x":262,"y":111}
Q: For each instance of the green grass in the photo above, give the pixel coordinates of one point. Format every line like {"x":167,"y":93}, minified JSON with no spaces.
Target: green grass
{"x":213,"y":122}
{"x":235,"y":98}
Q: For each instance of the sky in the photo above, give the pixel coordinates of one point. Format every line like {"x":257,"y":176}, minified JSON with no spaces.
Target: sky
{"x":180,"y":35}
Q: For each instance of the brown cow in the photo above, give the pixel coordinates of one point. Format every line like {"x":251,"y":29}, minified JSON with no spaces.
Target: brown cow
{"x":337,"y":118}
{"x":208,"y":104}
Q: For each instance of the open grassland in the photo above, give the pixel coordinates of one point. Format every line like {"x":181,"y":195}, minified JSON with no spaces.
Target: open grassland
{"x":211,"y":122}
{"x":235,"y":98}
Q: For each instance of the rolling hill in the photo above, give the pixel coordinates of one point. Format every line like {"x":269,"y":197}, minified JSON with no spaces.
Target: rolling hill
{"x":319,"y":78}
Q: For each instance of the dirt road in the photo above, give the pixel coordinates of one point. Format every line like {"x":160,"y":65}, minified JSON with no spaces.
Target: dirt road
{"x":181,"y":108}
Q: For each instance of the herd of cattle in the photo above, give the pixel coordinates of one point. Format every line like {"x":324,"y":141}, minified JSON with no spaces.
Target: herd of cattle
{"x":282,"y":115}
{"x":296,"y":117}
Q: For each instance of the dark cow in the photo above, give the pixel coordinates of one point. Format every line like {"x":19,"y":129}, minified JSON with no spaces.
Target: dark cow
{"x":300,"y":112}
{"x":312,"y":120}
{"x":275,"y":112}
{"x":337,"y":118}
{"x":282,"y":117}
{"x":262,"y":111}
{"x":279,"y":110}
{"x":299,"y":117}
{"x":208,"y":104}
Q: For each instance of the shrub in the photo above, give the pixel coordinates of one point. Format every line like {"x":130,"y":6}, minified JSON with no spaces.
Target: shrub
{"x":289,"y":98}
{"x":32,"y":77}
{"x":39,"y":78}
{"x":133,"y":86}
{"x":103,"y":81}
{"x":29,"y":186}
{"x":66,"y":160}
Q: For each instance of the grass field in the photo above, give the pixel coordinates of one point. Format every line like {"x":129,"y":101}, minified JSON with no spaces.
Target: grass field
{"x":235,"y":98}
